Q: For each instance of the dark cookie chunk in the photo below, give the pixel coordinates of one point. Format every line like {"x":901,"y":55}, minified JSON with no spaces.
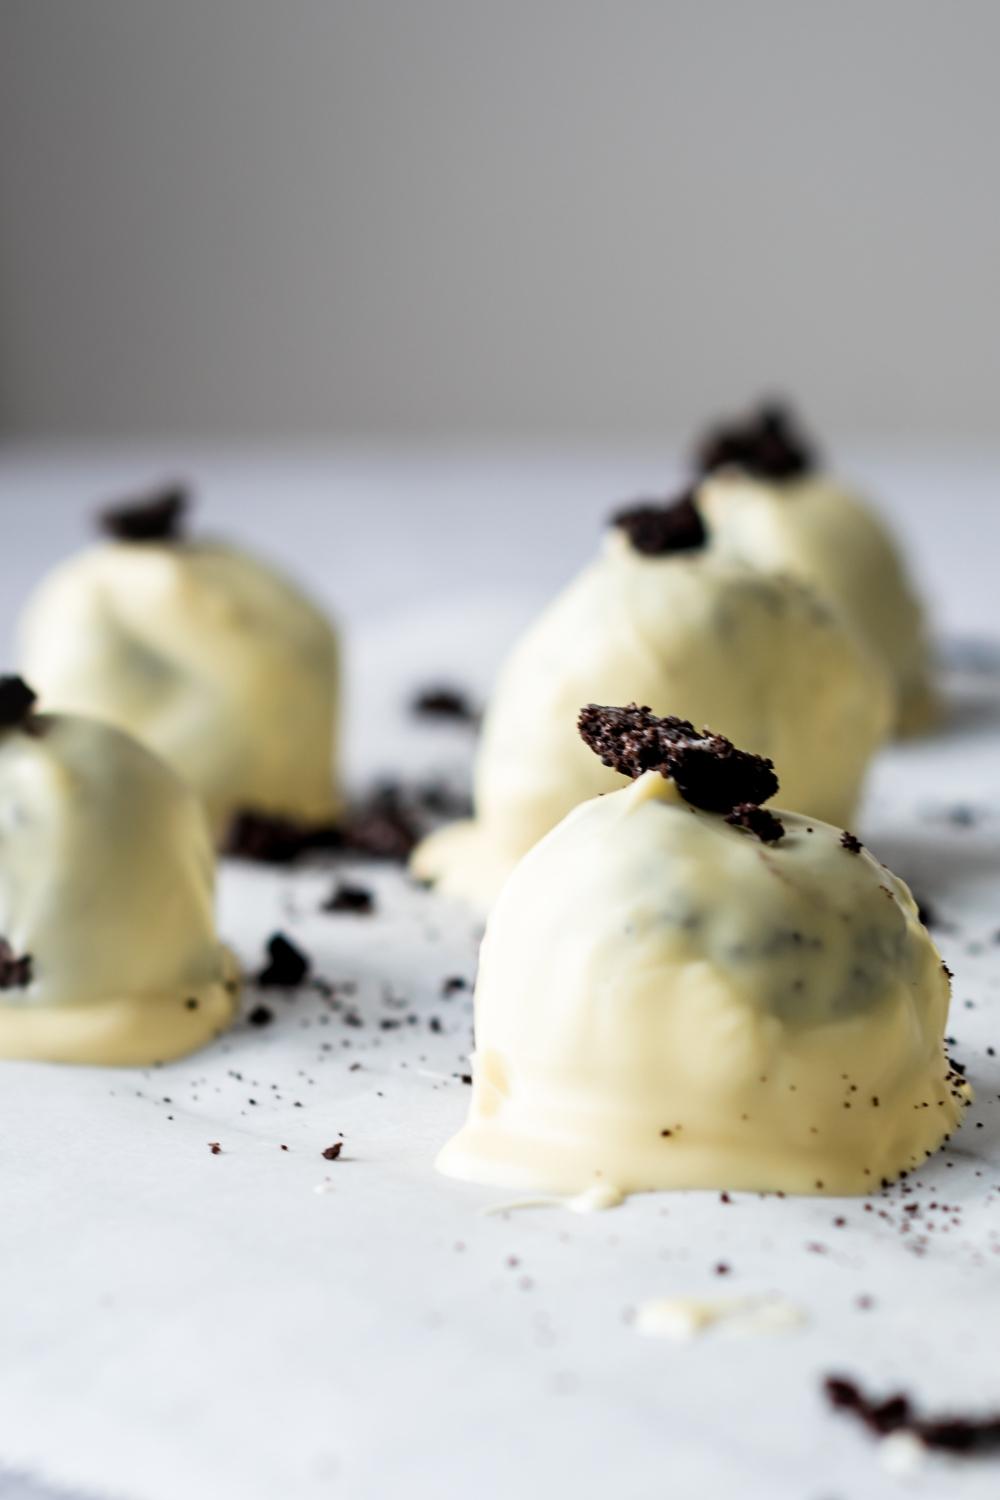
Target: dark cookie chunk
{"x":708,"y":770}
{"x":276,"y":841}
{"x":767,"y":444}
{"x":352,"y":898}
{"x":287,"y":968}
{"x":851,"y":844}
{"x":656,"y":530}
{"x":926,"y":912}
{"x":154,"y":518}
{"x":383,"y":827}
{"x":16,"y":702}
{"x":15,"y":973}
{"x":332,"y":1152}
{"x":952,"y":1434}
{"x":764,"y":824}
{"x":444,"y":703}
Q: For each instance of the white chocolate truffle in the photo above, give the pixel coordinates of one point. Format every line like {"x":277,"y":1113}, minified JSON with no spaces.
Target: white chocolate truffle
{"x":690,"y":633}
{"x":110,"y":953}
{"x":666,"y":1001}
{"x":206,"y":655}
{"x":765,"y":501}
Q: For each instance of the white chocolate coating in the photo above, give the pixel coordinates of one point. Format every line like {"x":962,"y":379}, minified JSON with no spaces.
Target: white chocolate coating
{"x":692,"y":634}
{"x":107,"y":883}
{"x":204,"y":654}
{"x":815,"y":530}
{"x":777,"y":1009}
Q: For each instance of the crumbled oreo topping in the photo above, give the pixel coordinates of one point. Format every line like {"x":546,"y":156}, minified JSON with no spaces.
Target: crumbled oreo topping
{"x":16,"y":702}
{"x":656,"y":530}
{"x":896,"y":1414}
{"x":707,"y":769}
{"x":441,"y":702}
{"x":764,"y":824}
{"x":385,"y":825}
{"x":288,"y":966}
{"x":382,"y":827}
{"x":852,"y":844}
{"x":330,"y":1153}
{"x":274,"y":840}
{"x":15,"y":973}
{"x":768,"y":444}
{"x":351,"y":898}
{"x":154,"y":518}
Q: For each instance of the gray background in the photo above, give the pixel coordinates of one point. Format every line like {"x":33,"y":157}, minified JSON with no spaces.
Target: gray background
{"x":515,"y":220}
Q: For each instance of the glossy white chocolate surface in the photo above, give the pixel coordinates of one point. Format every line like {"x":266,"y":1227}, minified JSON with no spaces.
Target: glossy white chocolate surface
{"x":107,"y":880}
{"x":664,"y":1001}
{"x":701,"y":636}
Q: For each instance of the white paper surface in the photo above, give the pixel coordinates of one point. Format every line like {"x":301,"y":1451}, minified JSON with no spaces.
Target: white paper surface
{"x":177,"y":1325}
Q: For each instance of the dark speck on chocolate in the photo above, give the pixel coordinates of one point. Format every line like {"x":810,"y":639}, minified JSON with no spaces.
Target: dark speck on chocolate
{"x":764,"y":824}
{"x":156,"y":517}
{"x":767,"y":444}
{"x":707,"y":769}
{"x":288,"y":965}
{"x":657,"y":529}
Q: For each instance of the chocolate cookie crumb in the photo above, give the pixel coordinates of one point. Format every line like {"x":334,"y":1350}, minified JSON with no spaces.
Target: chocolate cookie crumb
{"x":332,"y":1152}
{"x":16,"y":702}
{"x":156,"y":517}
{"x":382,"y":827}
{"x":287,"y":968}
{"x":352,"y":898}
{"x":215,"y":1148}
{"x":656,"y":530}
{"x":768,"y":444}
{"x":440,"y":702}
{"x":764,"y":824}
{"x":896,"y":1414}
{"x":276,"y":841}
{"x":926,"y":912}
{"x":260,"y":1016}
{"x":851,"y":844}
{"x":15,"y":973}
{"x":707,"y":769}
